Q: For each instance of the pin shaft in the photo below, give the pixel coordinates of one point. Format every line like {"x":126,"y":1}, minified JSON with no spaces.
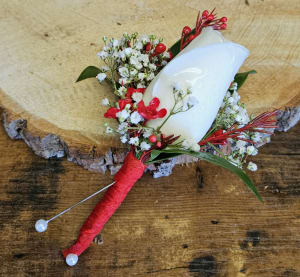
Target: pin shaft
{"x":80,"y":202}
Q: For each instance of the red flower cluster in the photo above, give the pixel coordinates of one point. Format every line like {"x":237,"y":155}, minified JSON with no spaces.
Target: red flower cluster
{"x":131,"y":91}
{"x":206,"y":19}
{"x":112,"y":112}
{"x":266,"y":120}
{"x":150,"y":111}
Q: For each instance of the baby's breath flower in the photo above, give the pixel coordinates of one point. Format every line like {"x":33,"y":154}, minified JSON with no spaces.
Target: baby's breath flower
{"x":137,"y":97}
{"x":123,"y":81}
{"x":124,"y":139}
{"x":115,"y":43}
{"x":101,"y":77}
{"x":147,"y":133}
{"x":105,"y":102}
{"x":252,"y":166}
{"x":102,"y":55}
{"x":104,"y":68}
{"x":135,"y":118}
{"x":144,"y":58}
{"x":140,"y":85}
{"x":190,"y":102}
{"x":124,"y":71}
{"x":138,"y":66}
{"x":251,"y":150}
{"x":123,"y":115}
{"x":188,"y":144}
{"x":128,"y":51}
{"x":144,"y":39}
{"x":145,"y":146}
{"x":138,"y":45}
{"x":122,"y":129}
{"x":109,"y":130}
{"x":122,"y":91}
{"x":150,"y":77}
{"x":141,"y":76}
{"x":134,"y":60}
{"x":134,"y":141}
{"x":122,"y":55}
{"x":152,"y":66}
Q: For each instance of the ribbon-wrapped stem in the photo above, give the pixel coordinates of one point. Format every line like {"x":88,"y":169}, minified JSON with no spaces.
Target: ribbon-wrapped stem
{"x":131,"y":171}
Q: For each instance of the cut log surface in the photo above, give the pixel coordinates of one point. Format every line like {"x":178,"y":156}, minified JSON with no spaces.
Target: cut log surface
{"x":46,"y":44}
{"x":199,"y":222}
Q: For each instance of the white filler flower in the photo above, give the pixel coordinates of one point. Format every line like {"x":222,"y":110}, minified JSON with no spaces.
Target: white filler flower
{"x":101,"y":77}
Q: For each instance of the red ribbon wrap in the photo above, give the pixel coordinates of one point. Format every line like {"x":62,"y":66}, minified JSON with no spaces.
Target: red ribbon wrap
{"x":126,"y":177}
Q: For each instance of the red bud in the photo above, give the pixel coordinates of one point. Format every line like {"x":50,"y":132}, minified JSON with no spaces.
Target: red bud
{"x":160,"y":48}
{"x":205,"y":13}
{"x":223,"y":26}
{"x":223,"y":19}
{"x":148,"y":47}
{"x":210,"y":17}
{"x":186,"y":30}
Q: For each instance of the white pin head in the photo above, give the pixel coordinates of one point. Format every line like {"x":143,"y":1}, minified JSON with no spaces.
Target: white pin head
{"x":41,"y":225}
{"x":71,"y":259}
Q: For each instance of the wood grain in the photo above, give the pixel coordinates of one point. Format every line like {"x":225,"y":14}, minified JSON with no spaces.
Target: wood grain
{"x":45,"y":45}
{"x":200,"y":221}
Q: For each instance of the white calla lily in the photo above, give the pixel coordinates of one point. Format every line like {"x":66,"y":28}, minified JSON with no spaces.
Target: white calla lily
{"x":206,"y":66}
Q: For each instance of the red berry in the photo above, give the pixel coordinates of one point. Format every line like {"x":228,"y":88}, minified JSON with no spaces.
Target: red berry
{"x":148,"y":47}
{"x":223,"y":19}
{"x":158,"y":144}
{"x":210,"y":17}
{"x":191,"y":37}
{"x":205,"y":13}
{"x":186,"y":30}
{"x":153,"y":138}
{"x":160,"y":48}
{"x":170,"y":55}
{"x":223,"y":26}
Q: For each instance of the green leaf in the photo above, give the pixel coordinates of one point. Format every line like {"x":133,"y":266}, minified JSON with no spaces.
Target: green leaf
{"x":175,"y":48}
{"x":240,"y":78}
{"x":154,"y":154}
{"x":89,"y":72}
{"x":211,"y":159}
{"x":159,"y":156}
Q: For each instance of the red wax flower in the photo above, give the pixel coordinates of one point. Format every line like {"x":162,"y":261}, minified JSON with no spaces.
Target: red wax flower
{"x":150,"y":112}
{"x":112,"y":112}
{"x":131,"y":91}
{"x":124,"y":102}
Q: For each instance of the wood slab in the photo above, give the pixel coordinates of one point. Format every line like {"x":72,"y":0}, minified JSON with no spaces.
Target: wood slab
{"x":46,"y":44}
{"x":199,"y":222}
